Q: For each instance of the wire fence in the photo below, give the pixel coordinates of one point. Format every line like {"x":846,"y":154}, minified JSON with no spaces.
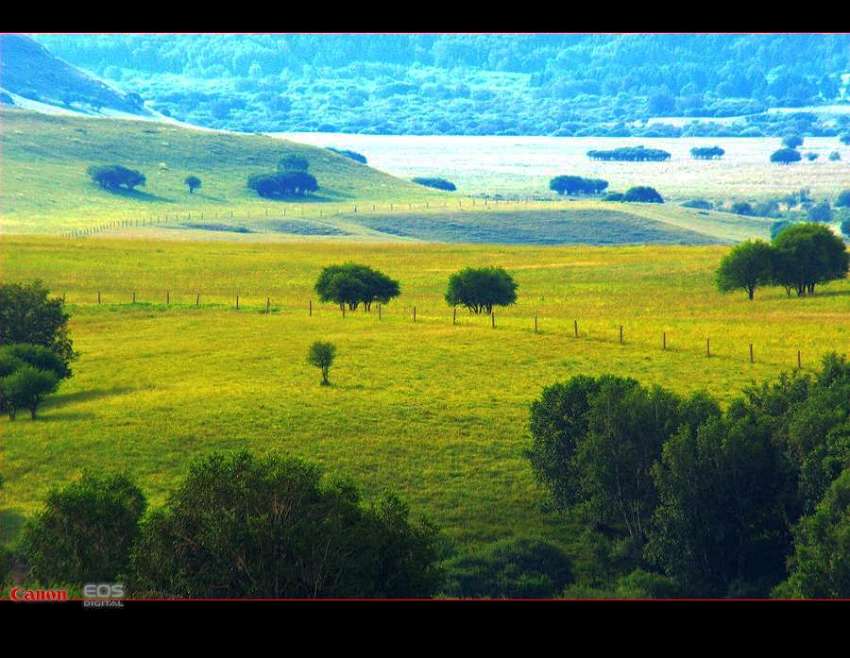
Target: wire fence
{"x":713,"y":347}
{"x":317,"y":211}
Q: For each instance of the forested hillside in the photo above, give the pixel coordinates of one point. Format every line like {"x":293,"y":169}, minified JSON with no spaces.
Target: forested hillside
{"x":479,"y":84}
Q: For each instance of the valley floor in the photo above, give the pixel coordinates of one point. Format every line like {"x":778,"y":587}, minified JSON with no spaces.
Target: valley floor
{"x":434,"y":411}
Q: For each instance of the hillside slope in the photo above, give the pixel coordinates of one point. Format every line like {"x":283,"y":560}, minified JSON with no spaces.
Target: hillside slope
{"x":44,"y":187}
{"x":31,"y":75}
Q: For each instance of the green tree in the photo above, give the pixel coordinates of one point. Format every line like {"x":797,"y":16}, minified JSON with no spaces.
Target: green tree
{"x":436,"y":183}
{"x":322,"y":356}
{"x":293,"y":162}
{"x":785,"y":156}
{"x":27,"y":315}
{"x":821,"y":212}
{"x":642,"y":194}
{"x":37,"y":356}
{"x":792,"y":141}
{"x":193,"y":183}
{"x":480,"y":289}
{"x":351,"y":284}
{"x":819,"y":567}
{"x":114,"y":177}
{"x":26,"y":388}
{"x":807,"y":254}
{"x":240,"y":526}
{"x":843,"y":200}
{"x":86,"y":531}
{"x":725,"y":492}
{"x":747,"y":266}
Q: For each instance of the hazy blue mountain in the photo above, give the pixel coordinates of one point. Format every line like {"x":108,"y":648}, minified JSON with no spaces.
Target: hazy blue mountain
{"x":476,"y":84}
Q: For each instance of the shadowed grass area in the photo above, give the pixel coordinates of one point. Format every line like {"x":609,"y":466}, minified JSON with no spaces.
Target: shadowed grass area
{"x":435,"y":411}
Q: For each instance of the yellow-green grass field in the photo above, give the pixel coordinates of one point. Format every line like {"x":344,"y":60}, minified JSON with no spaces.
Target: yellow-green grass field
{"x":434,"y":411}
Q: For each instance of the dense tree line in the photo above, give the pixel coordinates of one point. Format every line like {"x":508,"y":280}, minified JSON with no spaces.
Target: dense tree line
{"x":114,"y":177}
{"x":630,"y":154}
{"x":453,"y":84}
{"x":707,"y":153}
{"x":572,"y":185}
{"x":436,"y":183}
{"x":743,"y":502}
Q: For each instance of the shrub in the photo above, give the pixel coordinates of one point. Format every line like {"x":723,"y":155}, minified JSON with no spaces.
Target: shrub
{"x":523,"y":568}
{"x":642,"y":194}
{"x":280,"y":185}
{"x":614,"y":196}
{"x":193,"y":183}
{"x":792,"y":141}
{"x":742,"y":208}
{"x":86,"y":531}
{"x":843,"y":200}
{"x":811,"y":157}
{"x":822,"y":212}
{"x":240,"y":526}
{"x":113,"y":177}
{"x":701,"y":204}
{"x":480,"y":289}
{"x":834,"y":156}
{"x":437,"y":183}
{"x":322,"y":356}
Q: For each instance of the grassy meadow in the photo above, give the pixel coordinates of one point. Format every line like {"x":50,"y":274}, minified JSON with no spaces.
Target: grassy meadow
{"x":434,"y":411}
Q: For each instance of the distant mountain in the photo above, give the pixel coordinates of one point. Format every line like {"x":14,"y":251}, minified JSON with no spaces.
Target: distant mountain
{"x":32,"y":78}
{"x":480,"y":84}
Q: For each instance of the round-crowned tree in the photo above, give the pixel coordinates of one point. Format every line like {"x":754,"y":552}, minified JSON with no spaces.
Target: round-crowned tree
{"x":480,"y":289}
{"x":572,"y":185}
{"x":193,"y":183}
{"x":26,"y":388}
{"x":747,"y":266}
{"x":293,"y":162}
{"x":351,"y":284}
{"x":792,"y":141}
{"x":240,"y":526}
{"x":807,"y":254}
{"x":785,"y":156}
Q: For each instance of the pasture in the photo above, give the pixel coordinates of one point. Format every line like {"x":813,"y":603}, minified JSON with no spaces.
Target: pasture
{"x":523,"y":165}
{"x":433,"y":410}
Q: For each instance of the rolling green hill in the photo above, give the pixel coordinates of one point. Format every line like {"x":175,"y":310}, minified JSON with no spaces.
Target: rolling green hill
{"x":45,"y":188}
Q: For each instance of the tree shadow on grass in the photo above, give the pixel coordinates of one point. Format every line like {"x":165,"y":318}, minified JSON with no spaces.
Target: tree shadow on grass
{"x":138,"y":195}
{"x":827,"y":293}
{"x":84,"y":396}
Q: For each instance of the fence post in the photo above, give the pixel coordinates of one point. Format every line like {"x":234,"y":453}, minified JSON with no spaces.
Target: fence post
{"x":454,"y":315}
{"x":379,"y":311}
{"x":310,"y":309}
{"x":268,"y":305}
{"x":708,"y":347}
{"x":575,"y":328}
{"x":98,"y":296}
{"x":493,"y":319}
{"x":237,"y":300}
{"x":535,"y":323}
{"x":134,"y":296}
{"x":197,"y":299}
{"x":752,"y":360}
{"x":167,"y":297}
{"x":621,"y":334}
{"x":664,"y":340}
{"x":414,"y":314}
{"x":799,"y":362}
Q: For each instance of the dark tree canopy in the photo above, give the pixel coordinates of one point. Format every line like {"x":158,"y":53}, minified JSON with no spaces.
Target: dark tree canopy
{"x":807,"y":254}
{"x":240,"y":526}
{"x":351,"y":284}
{"x":436,"y":183}
{"x":281,"y":185}
{"x":113,"y":177}
{"x":193,"y":183}
{"x":28,"y":315}
{"x":25,"y":388}
{"x":792,"y":141}
{"x":480,"y":289}
{"x":86,"y":531}
{"x":643,"y":194}
{"x":785,"y":156}
{"x":747,"y":266}
{"x":572,"y":185}
{"x":843,"y":200}
{"x":707,"y":153}
{"x":821,"y":212}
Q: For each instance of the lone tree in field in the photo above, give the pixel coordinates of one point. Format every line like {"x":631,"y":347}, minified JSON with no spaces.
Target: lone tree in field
{"x":792,"y":141}
{"x":322,"y":356}
{"x":193,"y":183}
{"x":114,"y":177}
{"x":785,"y":156}
{"x":480,"y":289}
{"x":747,"y":266}
{"x":352,"y":284}
{"x":707,"y":153}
